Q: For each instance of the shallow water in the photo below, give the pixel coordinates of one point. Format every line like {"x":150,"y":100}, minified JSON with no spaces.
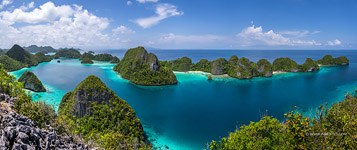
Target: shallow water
{"x":195,"y":111}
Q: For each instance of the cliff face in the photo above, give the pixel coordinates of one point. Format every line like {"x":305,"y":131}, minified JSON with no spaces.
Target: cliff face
{"x":96,"y":109}
{"x":309,"y":65}
{"x":143,"y":68}
{"x":20,"y":132}
{"x":89,"y":91}
{"x":218,"y":66}
{"x":31,"y":82}
{"x":264,"y":68}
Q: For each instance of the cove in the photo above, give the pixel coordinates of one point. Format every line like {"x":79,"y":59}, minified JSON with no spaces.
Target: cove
{"x":192,"y":113}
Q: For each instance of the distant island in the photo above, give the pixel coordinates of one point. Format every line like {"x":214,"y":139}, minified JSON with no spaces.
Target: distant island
{"x":243,"y":68}
{"x":43,"y":49}
{"x":18,"y":57}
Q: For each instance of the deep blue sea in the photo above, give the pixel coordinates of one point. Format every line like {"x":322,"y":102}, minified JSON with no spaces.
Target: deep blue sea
{"x":192,"y":113}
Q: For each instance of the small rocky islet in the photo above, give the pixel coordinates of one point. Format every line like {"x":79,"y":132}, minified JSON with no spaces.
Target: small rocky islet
{"x":31,"y":82}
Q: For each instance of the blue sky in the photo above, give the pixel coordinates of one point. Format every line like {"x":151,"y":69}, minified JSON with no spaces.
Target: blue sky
{"x":179,"y":24}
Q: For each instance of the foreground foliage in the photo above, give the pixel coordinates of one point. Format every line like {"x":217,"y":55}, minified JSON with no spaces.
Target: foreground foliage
{"x":333,"y":128}
{"x":39,"y":112}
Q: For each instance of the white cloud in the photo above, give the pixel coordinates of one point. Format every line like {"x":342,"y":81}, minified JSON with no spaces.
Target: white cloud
{"x":336,"y":42}
{"x":58,"y":26}
{"x":256,"y":36}
{"x":147,"y":1}
{"x":129,"y":3}
{"x":299,"y":33}
{"x":123,"y":30}
{"x":162,"y":11}
{"x":45,"y":13}
{"x":5,"y":3}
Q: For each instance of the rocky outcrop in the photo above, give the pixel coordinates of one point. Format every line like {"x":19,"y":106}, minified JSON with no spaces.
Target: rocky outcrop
{"x":92,"y":105}
{"x":31,"y":82}
{"x":20,"y":132}
{"x":143,"y":68}
{"x":89,"y":91}
{"x":218,"y":66}
{"x":264,"y":68}
{"x":285,"y":64}
{"x":182,"y":64}
{"x":309,"y":66}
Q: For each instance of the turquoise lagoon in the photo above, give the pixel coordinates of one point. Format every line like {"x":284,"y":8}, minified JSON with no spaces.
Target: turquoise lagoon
{"x":195,"y":111}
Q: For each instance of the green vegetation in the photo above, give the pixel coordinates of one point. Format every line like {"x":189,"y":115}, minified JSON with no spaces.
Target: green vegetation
{"x":41,"y":57}
{"x":309,"y":65}
{"x":333,"y":128}
{"x":17,"y":58}
{"x":43,"y":49}
{"x":143,"y":68}
{"x":87,"y":55}
{"x":241,"y":68}
{"x":10,"y":64}
{"x":68,"y":53}
{"x":86,"y":60}
{"x":103,"y":57}
{"x":31,"y":82}
{"x":341,"y":61}
{"x":115,"y":60}
{"x":21,"y":55}
{"x":182,"y":64}
{"x":98,"y":114}
{"x":328,"y":60}
{"x":219,"y":66}
{"x":285,"y":64}
{"x":39,"y":112}
{"x":203,"y":65}
{"x":264,"y":68}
